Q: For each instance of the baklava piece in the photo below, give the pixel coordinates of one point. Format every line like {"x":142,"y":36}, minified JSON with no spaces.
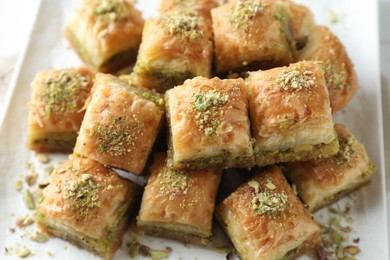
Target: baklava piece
{"x":266,"y":220}
{"x":208,"y":124}
{"x":120,"y":125}
{"x":251,"y":35}
{"x":106,"y":34}
{"x":179,"y":204}
{"x":323,"y":181}
{"x":340,"y":75}
{"x":290,"y":114}
{"x":174,"y":47}
{"x":56,"y":109}
{"x":88,"y":205}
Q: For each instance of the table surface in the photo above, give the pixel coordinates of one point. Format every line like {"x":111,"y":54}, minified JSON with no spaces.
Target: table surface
{"x":14,"y":31}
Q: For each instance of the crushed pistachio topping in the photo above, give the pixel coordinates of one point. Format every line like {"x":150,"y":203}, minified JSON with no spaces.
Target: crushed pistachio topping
{"x":185,"y":24}
{"x":155,"y":98}
{"x":294,"y":80}
{"x":173,"y":182}
{"x":206,"y":106}
{"x":243,"y":13}
{"x":118,"y":138}
{"x":60,"y":92}
{"x":267,"y":200}
{"x":346,"y":151}
{"x":336,"y":75}
{"x":110,"y":11}
{"x":84,"y":192}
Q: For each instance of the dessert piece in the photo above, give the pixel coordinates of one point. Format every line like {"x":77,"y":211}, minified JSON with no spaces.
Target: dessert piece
{"x":179,"y":204}
{"x":87,"y":204}
{"x":120,"y":125}
{"x":251,"y":35}
{"x":56,"y":108}
{"x":322,"y":181}
{"x":208,"y":124}
{"x":341,"y":79}
{"x":175,"y":47}
{"x":290,"y":114}
{"x":106,"y":34}
{"x":266,"y":220}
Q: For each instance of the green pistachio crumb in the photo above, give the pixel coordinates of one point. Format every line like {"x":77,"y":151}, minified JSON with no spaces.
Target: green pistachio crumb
{"x":28,"y":200}
{"x":39,"y":237}
{"x":173,"y":182}
{"x":243,"y":13}
{"x":294,"y":80}
{"x":184,"y":24}
{"x":19,"y":185}
{"x":23,"y":253}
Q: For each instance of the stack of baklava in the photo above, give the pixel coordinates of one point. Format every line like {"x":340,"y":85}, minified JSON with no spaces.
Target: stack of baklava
{"x":268,"y":113}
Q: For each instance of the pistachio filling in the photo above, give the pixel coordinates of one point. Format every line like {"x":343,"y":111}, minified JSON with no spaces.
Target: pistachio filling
{"x":346,"y":152}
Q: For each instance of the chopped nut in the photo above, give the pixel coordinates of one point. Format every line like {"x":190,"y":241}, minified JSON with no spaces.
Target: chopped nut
{"x":24,"y":252}
{"x":19,"y":185}
{"x":352,"y":250}
{"x":31,"y":179}
{"x":48,"y":170}
{"x":24,"y":221}
{"x":39,"y":237}
{"x":42,"y":158}
{"x":43,"y":184}
{"x":28,"y":199}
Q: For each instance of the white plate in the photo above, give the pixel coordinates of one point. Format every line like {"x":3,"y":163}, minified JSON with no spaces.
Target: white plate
{"x":358,"y":29}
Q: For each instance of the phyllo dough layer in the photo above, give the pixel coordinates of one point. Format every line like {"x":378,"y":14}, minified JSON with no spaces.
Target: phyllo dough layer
{"x":290,"y":114}
{"x":323,"y":181}
{"x":341,"y":79}
{"x":251,"y":34}
{"x":266,"y":220}
{"x":87,"y":204}
{"x":120,"y":125}
{"x":208,"y":124}
{"x":56,"y":108}
{"x":179,"y":204}
{"x":174,"y":47}
{"x":106,"y":34}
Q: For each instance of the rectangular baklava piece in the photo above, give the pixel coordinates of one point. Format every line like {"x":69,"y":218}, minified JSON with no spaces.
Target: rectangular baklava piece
{"x":266,"y":220}
{"x":88,"y":205}
{"x":341,"y":80}
{"x":120,"y":125}
{"x":290,"y":114}
{"x":175,"y":47}
{"x":106,"y":34}
{"x":56,"y":108}
{"x":208,"y":124}
{"x":251,"y":35}
{"x":178,"y":204}
{"x":323,"y":181}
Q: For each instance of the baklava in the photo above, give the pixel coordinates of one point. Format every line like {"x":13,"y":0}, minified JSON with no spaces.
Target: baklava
{"x":290,"y":114}
{"x":266,"y":220}
{"x":341,"y":79}
{"x":175,"y":47}
{"x":179,"y":204}
{"x":106,"y":34}
{"x":120,"y":125}
{"x":208,"y":124}
{"x":88,"y":205}
{"x":56,"y":108}
{"x":323,"y":181}
{"x":251,"y":35}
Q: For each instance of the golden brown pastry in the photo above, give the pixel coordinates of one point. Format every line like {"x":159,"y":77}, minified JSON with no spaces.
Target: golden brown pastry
{"x":175,"y":47}
{"x":106,"y":34}
{"x":120,"y":125}
{"x":290,"y":114}
{"x":88,"y":205}
{"x":251,"y":34}
{"x":178,"y":204}
{"x":266,"y":220}
{"x":208,"y":124}
{"x":56,"y":108}
{"x":341,"y":79}
{"x":323,"y":181}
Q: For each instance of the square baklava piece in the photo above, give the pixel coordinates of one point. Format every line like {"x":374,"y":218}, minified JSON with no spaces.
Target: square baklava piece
{"x":322,"y":181}
{"x":175,"y":47}
{"x":266,"y":220}
{"x":179,"y":204}
{"x":341,"y":80}
{"x":56,"y":108}
{"x":208,"y":124}
{"x":106,"y":34}
{"x":120,"y":125}
{"x":88,"y":205}
{"x":251,"y":35}
{"x":290,"y":114}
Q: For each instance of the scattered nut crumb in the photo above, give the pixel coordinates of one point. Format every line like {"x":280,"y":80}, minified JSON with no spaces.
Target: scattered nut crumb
{"x":28,"y":199}
{"x":23,"y":253}
{"x":31,"y":179}
{"x":333,"y":17}
{"x":42,"y":158}
{"x":39,"y":237}
{"x":24,"y":221}
{"x":19,"y":185}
